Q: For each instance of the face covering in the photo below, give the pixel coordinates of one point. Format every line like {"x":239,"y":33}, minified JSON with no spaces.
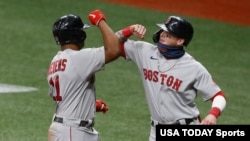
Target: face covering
{"x":170,"y":52}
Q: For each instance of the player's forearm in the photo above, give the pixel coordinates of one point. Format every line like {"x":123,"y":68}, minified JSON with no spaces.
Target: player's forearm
{"x":110,"y":42}
{"x":136,"y":30}
{"x":124,"y":34}
{"x":218,"y":104}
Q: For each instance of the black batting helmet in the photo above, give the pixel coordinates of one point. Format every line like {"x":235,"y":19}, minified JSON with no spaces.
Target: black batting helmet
{"x":176,"y":26}
{"x":69,"y":29}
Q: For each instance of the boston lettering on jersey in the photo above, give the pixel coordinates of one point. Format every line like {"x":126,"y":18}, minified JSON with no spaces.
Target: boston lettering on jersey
{"x":163,"y":79}
{"x":58,"y":65}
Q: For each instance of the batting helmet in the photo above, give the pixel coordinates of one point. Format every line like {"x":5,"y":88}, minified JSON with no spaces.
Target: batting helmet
{"x":69,"y":29}
{"x":176,"y":26}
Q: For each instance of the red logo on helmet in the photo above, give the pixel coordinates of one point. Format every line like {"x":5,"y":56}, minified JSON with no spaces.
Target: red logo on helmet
{"x":168,"y":20}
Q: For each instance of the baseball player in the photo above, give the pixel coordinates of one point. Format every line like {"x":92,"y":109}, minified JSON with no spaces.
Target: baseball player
{"x":71,"y":77}
{"x":171,"y":77}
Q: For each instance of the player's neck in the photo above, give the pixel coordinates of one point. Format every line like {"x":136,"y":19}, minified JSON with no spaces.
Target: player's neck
{"x":69,"y":46}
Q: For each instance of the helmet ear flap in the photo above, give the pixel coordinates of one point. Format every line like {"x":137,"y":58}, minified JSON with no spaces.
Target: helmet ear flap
{"x":156,"y":36}
{"x":70,"y":36}
{"x":84,"y":35}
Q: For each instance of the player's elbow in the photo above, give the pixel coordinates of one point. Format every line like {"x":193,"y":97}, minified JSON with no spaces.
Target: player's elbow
{"x":111,"y":55}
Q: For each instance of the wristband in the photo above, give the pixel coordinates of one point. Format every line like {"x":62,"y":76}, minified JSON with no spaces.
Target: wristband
{"x":215,"y":111}
{"x":126,"y":32}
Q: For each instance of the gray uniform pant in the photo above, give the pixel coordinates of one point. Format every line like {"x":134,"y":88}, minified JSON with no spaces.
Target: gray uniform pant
{"x":62,"y":132}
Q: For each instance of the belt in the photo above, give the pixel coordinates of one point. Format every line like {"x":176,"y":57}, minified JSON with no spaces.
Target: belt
{"x":82,"y":123}
{"x":185,"y":121}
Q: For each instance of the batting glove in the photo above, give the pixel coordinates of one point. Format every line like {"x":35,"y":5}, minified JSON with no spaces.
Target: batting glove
{"x":96,"y":16}
{"x":101,"y":106}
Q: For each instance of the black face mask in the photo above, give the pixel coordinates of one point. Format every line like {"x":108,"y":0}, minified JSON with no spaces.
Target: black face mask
{"x":170,"y":52}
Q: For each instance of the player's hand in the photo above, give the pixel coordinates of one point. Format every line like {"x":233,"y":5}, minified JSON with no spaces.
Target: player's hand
{"x":138,"y":30}
{"x":101,"y":106}
{"x":96,"y":16}
{"x":209,"y":120}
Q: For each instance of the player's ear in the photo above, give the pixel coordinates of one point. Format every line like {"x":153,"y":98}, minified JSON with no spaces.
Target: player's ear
{"x":180,"y":42}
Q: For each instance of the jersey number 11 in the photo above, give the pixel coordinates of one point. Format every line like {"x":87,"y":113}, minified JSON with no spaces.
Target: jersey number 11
{"x":55,"y":84}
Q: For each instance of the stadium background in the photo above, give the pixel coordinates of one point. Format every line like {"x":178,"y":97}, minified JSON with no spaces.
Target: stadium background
{"x":232,"y":11}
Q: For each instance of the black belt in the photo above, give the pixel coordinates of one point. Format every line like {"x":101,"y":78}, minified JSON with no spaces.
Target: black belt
{"x":83,"y":123}
{"x":187,"y":121}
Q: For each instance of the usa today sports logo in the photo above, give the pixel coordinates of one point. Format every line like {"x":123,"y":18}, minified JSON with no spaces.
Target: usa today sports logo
{"x":164,"y":132}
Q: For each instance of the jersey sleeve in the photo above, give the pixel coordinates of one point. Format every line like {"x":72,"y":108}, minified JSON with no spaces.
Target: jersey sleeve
{"x":135,"y":50}
{"x":205,"y":83}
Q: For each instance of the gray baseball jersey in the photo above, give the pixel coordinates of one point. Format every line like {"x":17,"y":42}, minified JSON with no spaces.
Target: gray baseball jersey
{"x":71,"y":79}
{"x":71,"y":85}
{"x":170,"y":86}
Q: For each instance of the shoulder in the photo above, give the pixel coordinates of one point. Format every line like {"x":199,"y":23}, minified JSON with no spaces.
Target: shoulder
{"x":191,"y":62}
{"x":92,"y":49}
{"x":139,"y":44}
{"x":87,"y":53}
